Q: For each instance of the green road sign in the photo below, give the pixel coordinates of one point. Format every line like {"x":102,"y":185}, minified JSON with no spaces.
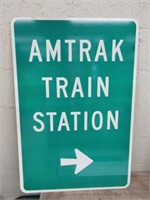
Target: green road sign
{"x":74,"y":86}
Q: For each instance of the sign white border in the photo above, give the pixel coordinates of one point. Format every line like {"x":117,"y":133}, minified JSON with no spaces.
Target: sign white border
{"x":17,"y":102}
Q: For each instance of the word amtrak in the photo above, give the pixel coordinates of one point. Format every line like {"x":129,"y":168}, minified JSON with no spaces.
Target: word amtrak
{"x":85,"y":46}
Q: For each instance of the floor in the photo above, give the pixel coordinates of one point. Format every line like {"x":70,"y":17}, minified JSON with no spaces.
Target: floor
{"x":139,"y":189}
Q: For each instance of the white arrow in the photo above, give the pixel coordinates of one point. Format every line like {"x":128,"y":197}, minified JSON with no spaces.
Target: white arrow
{"x":81,"y":161}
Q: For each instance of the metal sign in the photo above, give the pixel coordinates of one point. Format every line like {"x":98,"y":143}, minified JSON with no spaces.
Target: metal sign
{"x":74,"y":86}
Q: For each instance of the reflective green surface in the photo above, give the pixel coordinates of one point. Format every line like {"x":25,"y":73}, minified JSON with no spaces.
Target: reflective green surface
{"x":108,"y":148}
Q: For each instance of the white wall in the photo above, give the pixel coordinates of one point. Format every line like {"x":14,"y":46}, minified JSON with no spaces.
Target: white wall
{"x":138,"y":9}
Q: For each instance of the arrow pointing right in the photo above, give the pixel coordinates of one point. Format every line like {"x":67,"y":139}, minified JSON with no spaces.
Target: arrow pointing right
{"x":81,"y":161}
